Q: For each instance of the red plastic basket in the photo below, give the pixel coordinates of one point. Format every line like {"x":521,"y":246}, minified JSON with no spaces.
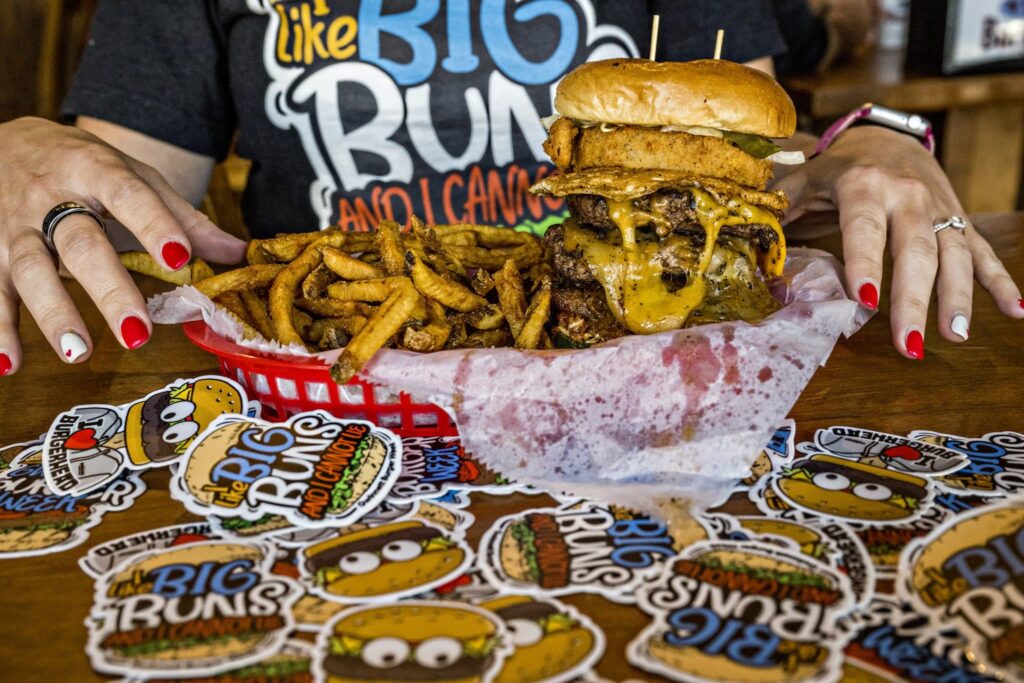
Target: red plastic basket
{"x":286,"y":386}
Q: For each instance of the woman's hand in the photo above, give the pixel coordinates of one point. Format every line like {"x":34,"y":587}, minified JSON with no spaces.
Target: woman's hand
{"x":44,"y":164}
{"x":887,"y":186}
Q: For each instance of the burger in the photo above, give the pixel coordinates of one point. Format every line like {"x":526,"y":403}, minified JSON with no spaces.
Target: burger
{"x":549,"y":640}
{"x":27,"y":532}
{"x":412,"y":641}
{"x":381,"y":560}
{"x":290,"y":665}
{"x":160,"y":427}
{"x":664,"y":167}
{"x":852,"y":489}
{"x":532,"y":551}
{"x":245,"y":528}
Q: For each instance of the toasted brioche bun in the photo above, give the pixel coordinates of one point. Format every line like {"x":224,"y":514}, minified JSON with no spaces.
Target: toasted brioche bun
{"x":690,"y":660}
{"x":713,"y":93}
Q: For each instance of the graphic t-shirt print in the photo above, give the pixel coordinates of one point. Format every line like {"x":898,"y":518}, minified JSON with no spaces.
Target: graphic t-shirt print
{"x":424,"y":106}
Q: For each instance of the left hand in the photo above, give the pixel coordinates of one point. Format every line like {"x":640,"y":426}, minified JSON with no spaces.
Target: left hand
{"x":886,"y":185}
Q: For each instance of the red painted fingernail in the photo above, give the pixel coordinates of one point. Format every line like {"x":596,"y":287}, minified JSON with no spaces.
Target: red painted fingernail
{"x":869,"y":296}
{"x":915,"y":345}
{"x":5,"y":364}
{"x":175,"y":255}
{"x":1020,"y":302}
{"x":134,"y":332}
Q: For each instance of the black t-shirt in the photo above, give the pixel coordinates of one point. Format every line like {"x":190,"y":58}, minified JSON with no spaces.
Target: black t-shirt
{"x":356,"y":110}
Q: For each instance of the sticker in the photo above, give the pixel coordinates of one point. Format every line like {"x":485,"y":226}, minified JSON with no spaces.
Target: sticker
{"x":433,"y":465}
{"x":314,"y":470}
{"x":900,"y":453}
{"x":84,"y":449}
{"x":103,"y":557}
{"x":293,"y":664}
{"x":779,"y":451}
{"x":202,"y":608}
{"x":469,"y":587}
{"x":829,"y":485}
{"x":35,"y":521}
{"x":995,"y":462}
{"x":412,"y":641}
{"x":901,"y":644}
{"x":968,"y":574}
{"x":885,"y":544}
{"x":251,"y":529}
{"x":455,"y":498}
{"x":160,"y":426}
{"x":383,"y":563}
{"x":553,"y":642}
{"x":589,"y":547}
{"x":12,"y":453}
{"x":453,"y":520}
{"x":729,"y":611}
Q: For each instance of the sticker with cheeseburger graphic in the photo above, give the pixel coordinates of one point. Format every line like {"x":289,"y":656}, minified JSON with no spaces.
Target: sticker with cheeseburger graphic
{"x":588,"y":547}
{"x":891,"y":451}
{"x":412,"y":641}
{"x":734,"y":611}
{"x":433,"y":465}
{"x":314,"y":470}
{"x":293,"y":664}
{"x":995,"y":463}
{"x":383,"y":563}
{"x":159,"y":428}
{"x":84,"y":448}
{"x":35,"y":520}
{"x":199,"y":609}
{"x":103,"y":557}
{"x":552,"y":642}
{"x":969,"y":574}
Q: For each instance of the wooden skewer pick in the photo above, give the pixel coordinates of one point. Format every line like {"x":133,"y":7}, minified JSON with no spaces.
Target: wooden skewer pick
{"x":654,"y":35}
{"x":718,"y":43}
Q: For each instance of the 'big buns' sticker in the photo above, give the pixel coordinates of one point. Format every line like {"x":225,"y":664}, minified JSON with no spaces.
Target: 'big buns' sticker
{"x":890,"y":451}
{"x":777,"y":452}
{"x":588,"y":547}
{"x":412,"y":641}
{"x":969,"y":573}
{"x":995,"y":462}
{"x":103,"y":557}
{"x":84,"y":449}
{"x":314,"y":470}
{"x":730,"y":611}
{"x":35,"y":520}
{"x":383,"y":563}
{"x":202,"y":608}
{"x":293,"y":664}
{"x":433,"y":465}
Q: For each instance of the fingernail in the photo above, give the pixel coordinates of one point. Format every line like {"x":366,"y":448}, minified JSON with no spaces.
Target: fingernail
{"x":915,"y":345}
{"x":175,"y":255}
{"x":134,"y":332}
{"x":959,"y":326}
{"x":72,"y":346}
{"x":5,"y":364}
{"x":869,"y":296}
{"x":1020,"y":302}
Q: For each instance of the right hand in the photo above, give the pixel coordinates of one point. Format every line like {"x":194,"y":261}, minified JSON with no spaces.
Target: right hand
{"x":44,"y":164}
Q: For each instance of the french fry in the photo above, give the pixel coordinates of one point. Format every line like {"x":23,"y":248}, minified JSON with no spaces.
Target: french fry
{"x":536,"y":317}
{"x":348,"y":267}
{"x":254,"y":254}
{"x":144,"y":264}
{"x":429,"y":337}
{"x":332,"y":308}
{"x":321,"y":325}
{"x":435,"y":252}
{"x":482,"y":282}
{"x":385,"y":323}
{"x":433,"y":286}
{"x":247,"y":278}
{"x":388,"y":241}
{"x":333,"y":338}
{"x":315,"y":284}
{"x":201,"y":270}
{"x":511,"y":295}
{"x":282,"y":294}
{"x":257,"y":311}
{"x":377,"y":289}
{"x":303,"y":324}
{"x":233,"y":303}
{"x":492,"y":258}
{"x":458,"y":334}
{"x":286,"y":247}
{"x":488,"y":339}
{"x":354,"y":324}
{"x":487,"y":317}
{"x":484,"y":235}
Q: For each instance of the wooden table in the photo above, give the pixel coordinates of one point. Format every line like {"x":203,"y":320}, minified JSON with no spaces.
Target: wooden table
{"x":967,"y":389}
{"x":983,"y":138}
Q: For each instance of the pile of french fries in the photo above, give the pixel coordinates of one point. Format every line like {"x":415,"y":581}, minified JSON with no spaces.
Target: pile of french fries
{"x":433,"y":288}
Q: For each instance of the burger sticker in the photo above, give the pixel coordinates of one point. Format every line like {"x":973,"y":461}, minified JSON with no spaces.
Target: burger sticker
{"x":412,"y":641}
{"x":383,"y":563}
{"x":731,"y":611}
{"x":160,"y":427}
{"x":103,"y":557}
{"x":84,"y":449}
{"x":431,"y":466}
{"x":588,"y":547}
{"x":314,"y":470}
{"x":553,"y":642}
{"x":891,"y":451}
{"x":995,"y":462}
{"x":202,"y":608}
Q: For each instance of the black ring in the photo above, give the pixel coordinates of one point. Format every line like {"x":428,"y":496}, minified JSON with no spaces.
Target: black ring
{"x":62,"y":211}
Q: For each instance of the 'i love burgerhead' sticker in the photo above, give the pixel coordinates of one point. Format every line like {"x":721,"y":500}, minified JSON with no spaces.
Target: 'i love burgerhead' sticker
{"x":314,"y":470}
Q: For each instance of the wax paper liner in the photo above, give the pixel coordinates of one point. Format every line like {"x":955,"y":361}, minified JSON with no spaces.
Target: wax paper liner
{"x":641,"y":417}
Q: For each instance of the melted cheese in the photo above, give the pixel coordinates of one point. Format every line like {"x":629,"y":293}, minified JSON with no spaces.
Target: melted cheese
{"x":630,"y":271}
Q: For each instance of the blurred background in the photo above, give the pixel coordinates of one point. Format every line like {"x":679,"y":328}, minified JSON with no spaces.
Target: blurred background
{"x":958,"y":62}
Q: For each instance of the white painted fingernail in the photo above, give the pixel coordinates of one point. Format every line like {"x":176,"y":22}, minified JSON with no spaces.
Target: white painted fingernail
{"x":72,"y":346}
{"x":959,"y":326}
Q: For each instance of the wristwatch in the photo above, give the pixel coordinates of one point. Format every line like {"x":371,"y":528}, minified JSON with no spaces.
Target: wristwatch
{"x":911,"y":124}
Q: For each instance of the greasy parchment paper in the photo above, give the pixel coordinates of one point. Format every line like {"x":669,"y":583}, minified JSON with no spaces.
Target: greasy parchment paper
{"x":679,"y":414}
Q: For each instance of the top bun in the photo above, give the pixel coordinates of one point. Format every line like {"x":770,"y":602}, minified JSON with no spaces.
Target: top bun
{"x":708,"y":92}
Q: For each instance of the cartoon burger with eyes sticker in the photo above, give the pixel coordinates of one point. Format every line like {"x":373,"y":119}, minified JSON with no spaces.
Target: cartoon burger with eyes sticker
{"x":160,"y":427}
{"x":851,"y":489}
{"x":400,"y":557}
{"x":413,"y":641}
{"x":552,"y":642}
